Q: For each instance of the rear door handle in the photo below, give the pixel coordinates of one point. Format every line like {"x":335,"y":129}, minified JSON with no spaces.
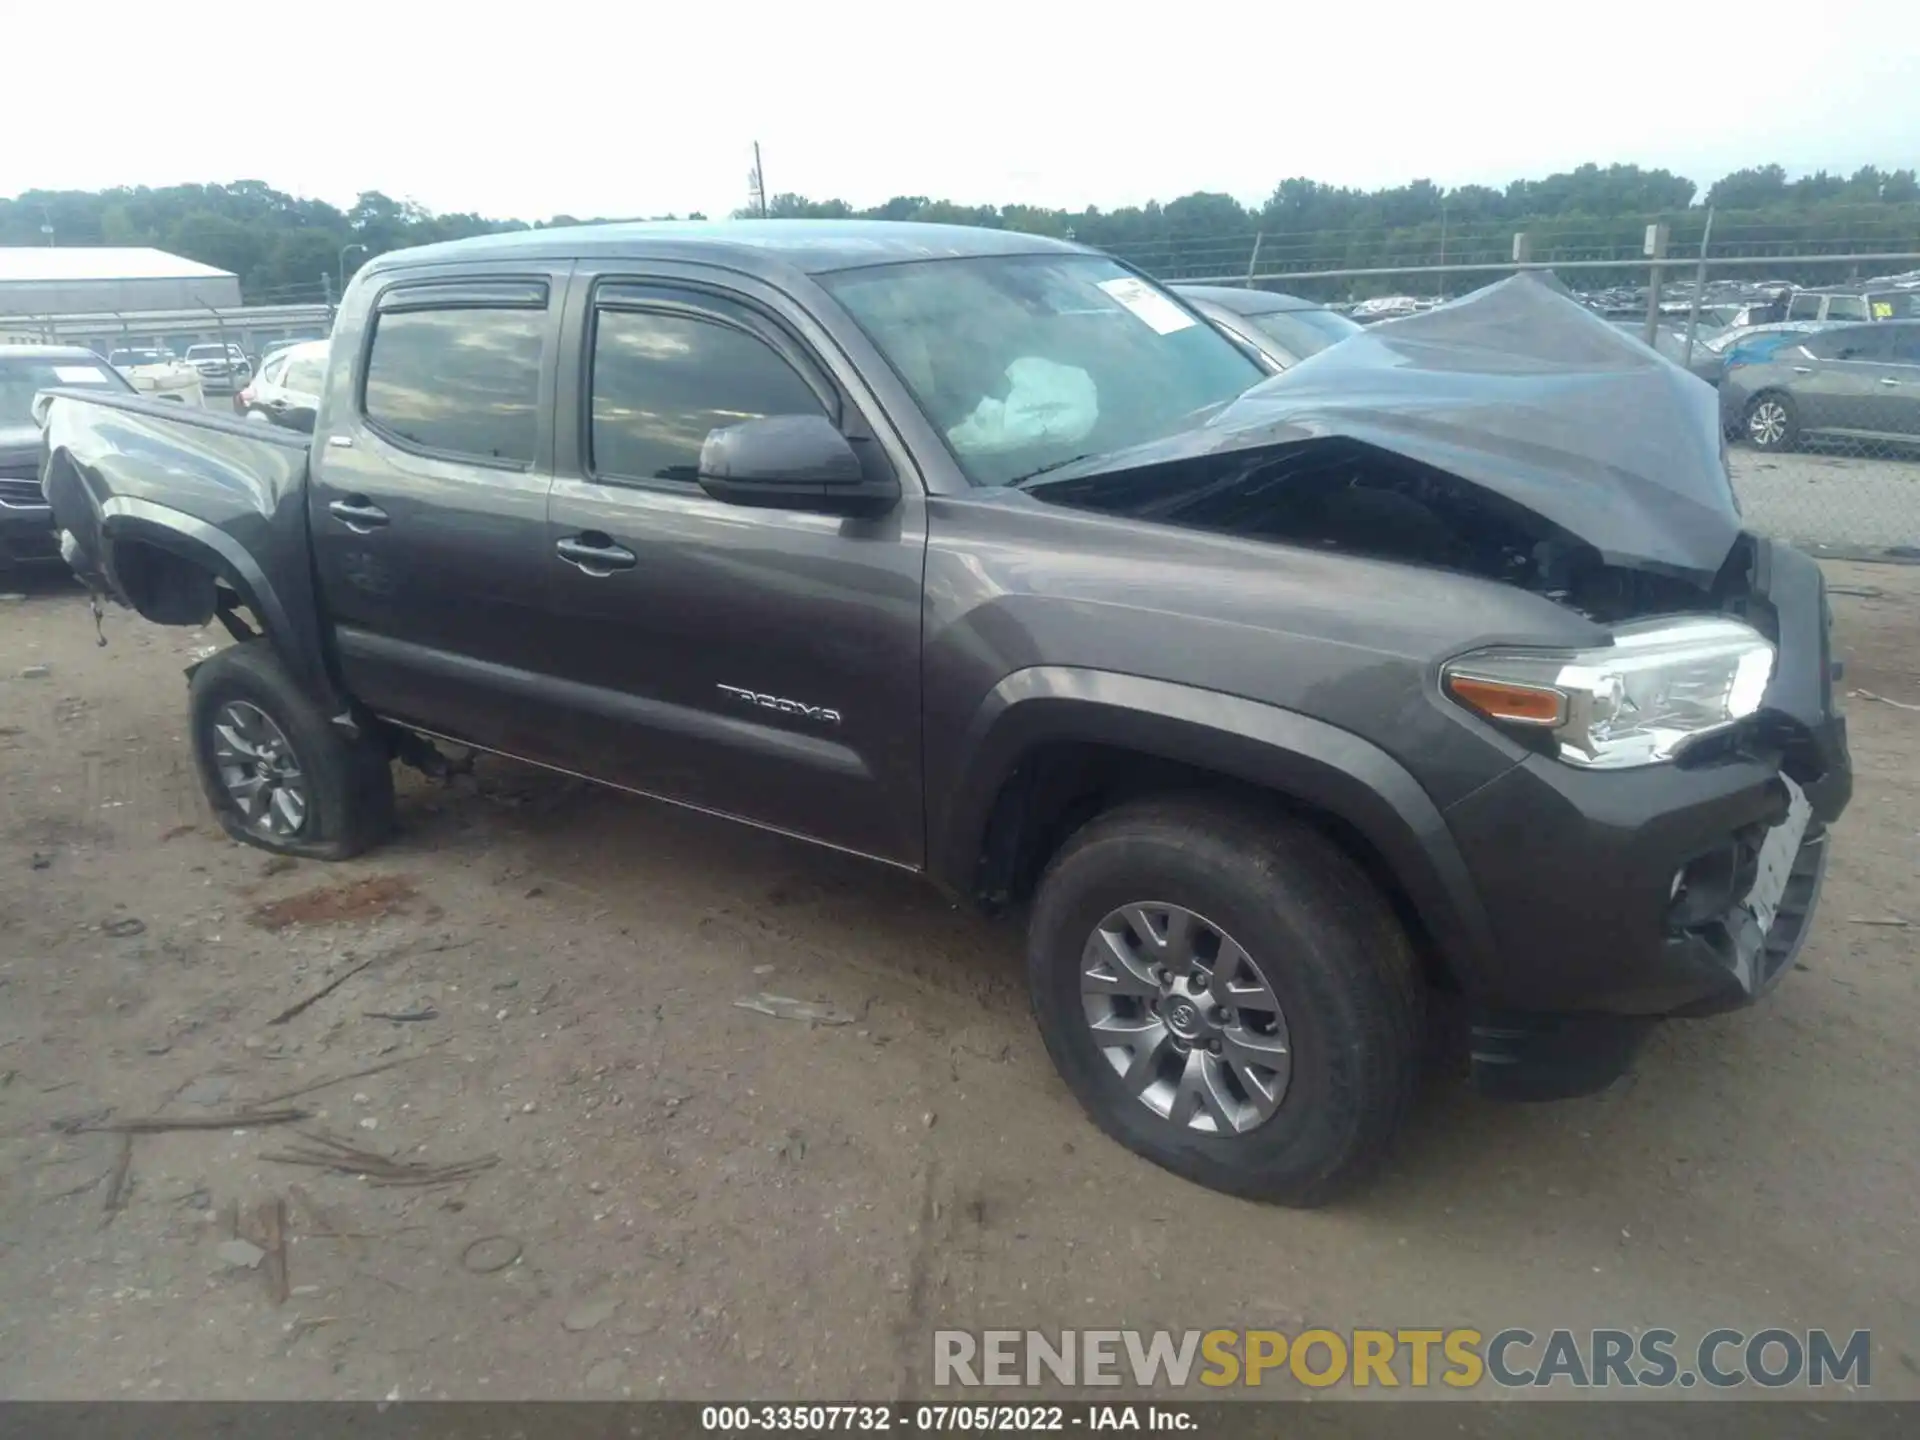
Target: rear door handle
{"x":358,"y":514}
{"x":1888,"y":380}
{"x":595,"y":554}
{"x":1803,"y":369}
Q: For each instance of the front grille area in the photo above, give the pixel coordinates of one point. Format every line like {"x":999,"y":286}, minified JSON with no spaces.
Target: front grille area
{"x":23,"y":491}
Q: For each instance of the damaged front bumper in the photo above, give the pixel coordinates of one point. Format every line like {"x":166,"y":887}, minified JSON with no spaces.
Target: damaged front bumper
{"x":1618,"y":898}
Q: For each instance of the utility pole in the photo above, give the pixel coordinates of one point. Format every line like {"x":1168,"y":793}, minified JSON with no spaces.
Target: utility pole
{"x":759,"y":178}
{"x":1443,"y":251}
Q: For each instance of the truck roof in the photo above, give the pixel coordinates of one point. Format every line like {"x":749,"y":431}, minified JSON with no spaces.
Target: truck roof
{"x":763,"y":246}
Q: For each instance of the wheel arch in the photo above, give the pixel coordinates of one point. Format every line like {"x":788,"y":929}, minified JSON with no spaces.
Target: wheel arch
{"x":1052,"y":746}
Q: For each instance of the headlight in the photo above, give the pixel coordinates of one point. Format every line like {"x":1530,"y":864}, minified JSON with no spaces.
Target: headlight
{"x":1660,"y":686}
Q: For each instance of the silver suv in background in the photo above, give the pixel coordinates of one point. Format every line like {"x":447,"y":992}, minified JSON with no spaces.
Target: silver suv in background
{"x":1852,"y":382}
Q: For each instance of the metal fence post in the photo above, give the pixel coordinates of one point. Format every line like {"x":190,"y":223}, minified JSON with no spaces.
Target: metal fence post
{"x":1656,"y":251}
{"x":1699,"y":285}
{"x":1253,"y":261}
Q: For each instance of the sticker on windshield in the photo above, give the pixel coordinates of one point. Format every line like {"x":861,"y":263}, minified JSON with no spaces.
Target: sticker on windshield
{"x":1883,"y":309}
{"x":78,"y":375}
{"x":1148,"y":305}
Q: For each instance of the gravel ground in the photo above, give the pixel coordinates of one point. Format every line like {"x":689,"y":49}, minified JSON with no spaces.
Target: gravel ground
{"x":1831,"y":501}
{"x":685,"y":1198}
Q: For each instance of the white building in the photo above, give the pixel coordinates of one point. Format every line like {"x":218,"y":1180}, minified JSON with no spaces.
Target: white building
{"x":40,"y":280}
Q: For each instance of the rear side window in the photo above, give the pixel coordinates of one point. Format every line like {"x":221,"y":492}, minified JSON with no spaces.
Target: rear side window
{"x":662,"y":382}
{"x":1854,"y":343}
{"x":458,"y":381}
{"x":1848,"y":307}
{"x":305,"y":373}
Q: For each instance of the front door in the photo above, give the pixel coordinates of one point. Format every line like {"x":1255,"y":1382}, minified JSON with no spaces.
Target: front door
{"x":429,"y":497}
{"x":763,"y":664}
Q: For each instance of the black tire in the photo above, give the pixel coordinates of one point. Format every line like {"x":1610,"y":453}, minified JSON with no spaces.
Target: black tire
{"x":348,"y":781}
{"x":1771,"y":422}
{"x":1325,"y":939}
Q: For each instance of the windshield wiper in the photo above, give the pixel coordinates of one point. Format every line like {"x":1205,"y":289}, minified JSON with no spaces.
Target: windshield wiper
{"x":1019,"y":480}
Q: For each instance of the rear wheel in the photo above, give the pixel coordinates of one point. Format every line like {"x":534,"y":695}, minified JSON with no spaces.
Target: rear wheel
{"x":278,"y":775}
{"x":1772,"y":422}
{"x":1229,"y":996}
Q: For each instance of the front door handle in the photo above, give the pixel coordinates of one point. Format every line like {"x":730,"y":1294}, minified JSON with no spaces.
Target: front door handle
{"x":1803,"y":369}
{"x":358,"y":514}
{"x":1888,"y":380}
{"x":595,"y":554}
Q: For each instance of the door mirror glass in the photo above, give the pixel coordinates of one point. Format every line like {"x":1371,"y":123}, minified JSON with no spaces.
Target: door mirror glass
{"x":792,"y":462}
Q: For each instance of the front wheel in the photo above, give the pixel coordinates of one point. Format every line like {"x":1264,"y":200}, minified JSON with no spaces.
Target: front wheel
{"x":278,"y":775}
{"x":1773,"y":423}
{"x":1228,"y":995}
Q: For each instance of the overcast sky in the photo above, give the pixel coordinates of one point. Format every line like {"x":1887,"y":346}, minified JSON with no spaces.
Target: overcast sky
{"x":517,"y":110}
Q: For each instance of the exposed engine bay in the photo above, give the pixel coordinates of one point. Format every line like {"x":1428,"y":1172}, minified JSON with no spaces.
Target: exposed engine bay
{"x":1342,"y":494}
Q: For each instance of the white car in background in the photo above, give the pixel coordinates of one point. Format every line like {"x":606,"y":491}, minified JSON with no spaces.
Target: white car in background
{"x":286,"y":392}
{"x":159,"y":373}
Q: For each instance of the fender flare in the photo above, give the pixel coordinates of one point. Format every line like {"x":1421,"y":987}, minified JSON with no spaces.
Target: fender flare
{"x":1294,"y":755}
{"x":127,"y":518}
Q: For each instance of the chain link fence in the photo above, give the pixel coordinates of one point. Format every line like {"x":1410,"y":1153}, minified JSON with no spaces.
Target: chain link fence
{"x":1814,"y":350}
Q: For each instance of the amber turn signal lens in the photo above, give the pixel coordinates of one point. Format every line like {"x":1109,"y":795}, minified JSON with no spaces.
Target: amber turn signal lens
{"x":1501,"y":700}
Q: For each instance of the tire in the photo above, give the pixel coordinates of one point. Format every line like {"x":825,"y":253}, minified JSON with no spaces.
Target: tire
{"x":1772,"y":422}
{"x":344,"y":784}
{"x":1322,"y":937}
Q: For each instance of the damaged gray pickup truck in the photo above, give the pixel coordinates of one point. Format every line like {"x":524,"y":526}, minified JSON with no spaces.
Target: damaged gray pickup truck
{"x":1436,"y":674}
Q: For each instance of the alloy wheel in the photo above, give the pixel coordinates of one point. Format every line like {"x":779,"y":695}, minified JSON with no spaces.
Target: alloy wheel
{"x":260,"y":771}
{"x":1767,"y":425}
{"x":1185,"y":1018}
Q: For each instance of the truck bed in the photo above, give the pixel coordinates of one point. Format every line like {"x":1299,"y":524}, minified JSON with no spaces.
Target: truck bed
{"x":137,"y":485}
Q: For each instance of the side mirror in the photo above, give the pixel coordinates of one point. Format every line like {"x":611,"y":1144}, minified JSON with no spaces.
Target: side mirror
{"x":792,"y":462}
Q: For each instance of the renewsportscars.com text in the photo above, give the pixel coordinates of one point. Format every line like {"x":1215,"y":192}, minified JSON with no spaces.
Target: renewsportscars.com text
{"x":1417,"y":1359}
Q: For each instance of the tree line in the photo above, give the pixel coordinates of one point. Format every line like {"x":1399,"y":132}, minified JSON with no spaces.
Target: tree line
{"x":285,"y":247}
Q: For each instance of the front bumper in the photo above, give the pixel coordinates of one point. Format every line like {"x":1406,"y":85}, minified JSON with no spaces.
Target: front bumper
{"x":1616,"y":898}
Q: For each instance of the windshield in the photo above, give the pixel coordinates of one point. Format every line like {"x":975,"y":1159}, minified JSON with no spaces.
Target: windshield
{"x":1304,"y":332}
{"x":21,"y":379}
{"x":1024,"y":362}
{"x":206,"y":352}
{"x":139,"y":357}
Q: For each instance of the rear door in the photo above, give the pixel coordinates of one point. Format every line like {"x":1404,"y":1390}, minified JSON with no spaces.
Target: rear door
{"x":759,"y":663}
{"x":428,"y":501}
{"x":1834,"y":377}
{"x":1897,"y":385}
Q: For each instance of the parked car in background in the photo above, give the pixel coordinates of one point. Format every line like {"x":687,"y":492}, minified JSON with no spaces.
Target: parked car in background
{"x":27,"y":533}
{"x":159,"y":373}
{"x":286,"y":392}
{"x":267,"y":352}
{"x":1858,"y":382}
{"x":1757,"y":342}
{"x":1671,"y":342}
{"x":1856,"y":302}
{"x":1281,"y":330}
{"x":223,"y":368}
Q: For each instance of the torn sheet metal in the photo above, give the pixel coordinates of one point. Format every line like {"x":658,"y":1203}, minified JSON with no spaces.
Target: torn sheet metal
{"x":1522,"y":391}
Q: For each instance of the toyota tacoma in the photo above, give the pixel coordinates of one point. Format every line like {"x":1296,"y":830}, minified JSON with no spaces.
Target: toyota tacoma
{"x":1437,"y":675}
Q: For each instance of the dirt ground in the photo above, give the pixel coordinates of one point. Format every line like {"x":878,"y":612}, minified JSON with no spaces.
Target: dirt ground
{"x":691,"y":1199}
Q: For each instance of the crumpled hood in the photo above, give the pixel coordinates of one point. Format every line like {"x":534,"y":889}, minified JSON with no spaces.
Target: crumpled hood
{"x":1522,"y":391}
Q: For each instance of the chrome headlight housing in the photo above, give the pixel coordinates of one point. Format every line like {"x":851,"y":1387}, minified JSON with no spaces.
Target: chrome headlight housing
{"x":1661,"y":686}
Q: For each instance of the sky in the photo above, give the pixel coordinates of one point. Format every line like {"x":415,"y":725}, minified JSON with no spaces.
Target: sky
{"x":610,"y":109}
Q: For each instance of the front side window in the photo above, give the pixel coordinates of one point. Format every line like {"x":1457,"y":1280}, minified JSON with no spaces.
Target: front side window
{"x":461,"y":381}
{"x":1853,"y":343}
{"x":661,"y":382}
{"x":1025,"y":362}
